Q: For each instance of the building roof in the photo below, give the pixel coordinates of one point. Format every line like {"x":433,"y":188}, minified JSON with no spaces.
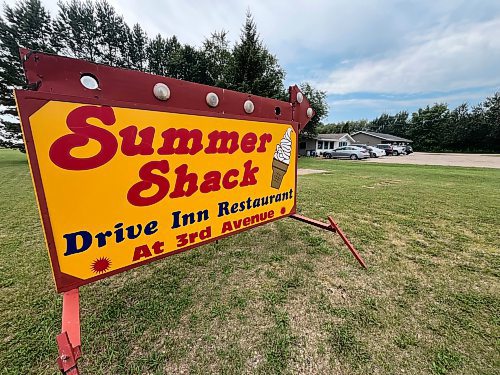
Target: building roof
{"x":332,"y":137}
{"x":384,"y":137}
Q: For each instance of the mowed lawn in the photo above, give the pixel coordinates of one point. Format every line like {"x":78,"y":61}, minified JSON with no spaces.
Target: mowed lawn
{"x":285,"y":297}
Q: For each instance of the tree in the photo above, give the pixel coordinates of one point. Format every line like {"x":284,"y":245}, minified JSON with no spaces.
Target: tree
{"x":217,"y":58}
{"x":381,"y":124}
{"x":112,"y":35}
{"x":492,"y":117}
{"x":75,"y":30}
{"x":138,"y":48}
{"x":28,"y":25}
{"x":154,"y":51}
{"x":253,"y":68}
{"x":191,"y":65}
{"x":427,"y":126}
{"x":317,"y":99}
{"x":173,"y":57}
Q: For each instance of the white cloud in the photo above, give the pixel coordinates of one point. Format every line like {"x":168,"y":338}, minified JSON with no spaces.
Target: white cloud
{"x":457,"y":57}
{"x":370,"y":107}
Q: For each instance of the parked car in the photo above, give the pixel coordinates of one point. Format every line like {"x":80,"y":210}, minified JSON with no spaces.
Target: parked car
{"x":398,"y":150}
{"x":409,"y":149}
{"x":375,"y":152}
{"x":386,"y":147}
{"x":394,"y":150}
{"x":363,"y":146}
{"x":351,"y":152}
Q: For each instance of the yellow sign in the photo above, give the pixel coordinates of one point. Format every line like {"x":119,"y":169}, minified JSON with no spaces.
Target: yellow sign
{"x":126,"y":186}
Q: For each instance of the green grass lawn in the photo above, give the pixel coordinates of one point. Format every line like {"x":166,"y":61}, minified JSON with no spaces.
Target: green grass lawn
{"x":285,"y":297}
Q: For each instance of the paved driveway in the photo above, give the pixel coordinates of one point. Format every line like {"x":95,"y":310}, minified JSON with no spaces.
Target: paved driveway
{"x":430,"y":158}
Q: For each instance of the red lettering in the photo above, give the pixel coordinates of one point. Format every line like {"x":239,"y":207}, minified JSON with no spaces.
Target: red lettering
{"x":158,"y":247}
{"x":211,"y":182}
{"x":129,"y":135}
{"x":224,"y":137}
{"x":237,"y":223}
{"x":226,"y":227}
{"x":182,"y":179}
{"x":148,"y":180}
{"x":255,"y":218}
{"x":77,"y":122}
{"x":266,"y":137}
{"x":226,"y":183}
{"x":248,"y":142}
{"x":182,"y":240}
{"x":141,"y":252}
{"x":249,"y":174}
{"x":183,"y":136}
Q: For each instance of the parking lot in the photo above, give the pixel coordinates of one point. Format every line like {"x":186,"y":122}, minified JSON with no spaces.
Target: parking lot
{"x":428,"y":158}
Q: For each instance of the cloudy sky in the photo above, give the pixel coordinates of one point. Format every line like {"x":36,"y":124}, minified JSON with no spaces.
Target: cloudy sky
{"x":370,"y":56}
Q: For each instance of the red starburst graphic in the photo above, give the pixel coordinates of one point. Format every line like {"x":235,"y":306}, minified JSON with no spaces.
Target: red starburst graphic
{"x":101,"y":265}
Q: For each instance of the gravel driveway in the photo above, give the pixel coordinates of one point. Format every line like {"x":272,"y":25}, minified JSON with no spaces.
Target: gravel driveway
{"x":429,"y":158}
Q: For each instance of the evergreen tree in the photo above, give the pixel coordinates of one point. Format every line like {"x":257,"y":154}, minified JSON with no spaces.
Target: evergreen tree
{"x":27,"y":24}
{"x":253,"y":68}
{"x":191,"y":65}
{"x":430,"y":121}
{"x":492,"y":117}
{"x":172,"y":55}
{"x":75,"y":30}
{"x":217,"y":58}
{"x":155,"y":52}
{"x":112,"y":35}
{"x":138,"y":48}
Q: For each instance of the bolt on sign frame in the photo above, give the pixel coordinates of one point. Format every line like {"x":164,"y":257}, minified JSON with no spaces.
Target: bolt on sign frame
{"x":130,"y":167}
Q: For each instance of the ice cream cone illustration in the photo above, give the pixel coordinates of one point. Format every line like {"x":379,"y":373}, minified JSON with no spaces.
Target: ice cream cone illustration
{"x":281,"y":159}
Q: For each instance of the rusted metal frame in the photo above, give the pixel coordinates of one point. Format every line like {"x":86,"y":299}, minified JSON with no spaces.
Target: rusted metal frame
{"x":332,"y":227}
{"x":68,"y":341}
{"x":313,"y":222}
{"x":347,"y":242}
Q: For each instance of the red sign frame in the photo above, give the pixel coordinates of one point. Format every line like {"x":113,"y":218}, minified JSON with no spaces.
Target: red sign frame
{"x":56,"y":78}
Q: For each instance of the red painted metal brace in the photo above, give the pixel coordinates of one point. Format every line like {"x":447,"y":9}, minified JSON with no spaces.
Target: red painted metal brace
{"x":68,"y":341}
{"x":332,"y":227}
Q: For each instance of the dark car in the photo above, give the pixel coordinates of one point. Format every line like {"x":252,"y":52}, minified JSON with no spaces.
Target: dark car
{"x":387,"y":148}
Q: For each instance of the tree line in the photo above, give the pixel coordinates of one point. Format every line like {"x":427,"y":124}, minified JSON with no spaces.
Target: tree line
{"x":92,"y":30}
{"x":437,"y":127}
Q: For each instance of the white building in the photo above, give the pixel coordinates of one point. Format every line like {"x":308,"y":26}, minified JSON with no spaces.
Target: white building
{"x":324,"y":142}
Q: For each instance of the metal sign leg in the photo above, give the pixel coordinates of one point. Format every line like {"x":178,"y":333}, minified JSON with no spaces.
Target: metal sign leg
{"x":332,"y":227}
{"x":346,"y":241}
{"x":68,"y":341}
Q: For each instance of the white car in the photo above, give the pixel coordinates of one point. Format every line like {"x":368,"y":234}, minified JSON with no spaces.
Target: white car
{"x":375,"y":152}
{"x":398,"y":150}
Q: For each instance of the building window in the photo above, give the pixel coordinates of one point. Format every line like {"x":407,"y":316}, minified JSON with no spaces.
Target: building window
{"x":320,"y":145}
{"x":332,"y":144}
{"x":342,"y":144}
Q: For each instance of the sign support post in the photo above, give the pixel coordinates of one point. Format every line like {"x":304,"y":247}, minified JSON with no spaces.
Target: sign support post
{"x":332,"y":227}
{"x":68,"y":341}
